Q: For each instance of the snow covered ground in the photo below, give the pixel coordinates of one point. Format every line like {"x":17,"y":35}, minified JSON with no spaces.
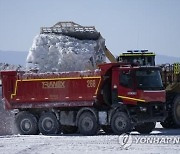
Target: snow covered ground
{"x":102,"y":143}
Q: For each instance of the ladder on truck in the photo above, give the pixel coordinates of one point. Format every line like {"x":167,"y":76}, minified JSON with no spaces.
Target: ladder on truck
{"x":73,"y":30}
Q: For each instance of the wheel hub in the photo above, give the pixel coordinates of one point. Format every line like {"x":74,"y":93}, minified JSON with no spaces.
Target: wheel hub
{"x":87,"y":123}
{"x":47,"y":124}
{"x":120,"y":123}
{"x":25,"y":125}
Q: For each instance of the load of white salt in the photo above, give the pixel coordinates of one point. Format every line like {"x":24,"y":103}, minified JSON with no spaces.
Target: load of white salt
{"x":58,"y":53}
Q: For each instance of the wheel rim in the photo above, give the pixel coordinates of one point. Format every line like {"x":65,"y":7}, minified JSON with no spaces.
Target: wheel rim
{"x":47,"y":124}
{"x":26,"y":125}
{"x":120,"y":123}
{"x":87,"y":124}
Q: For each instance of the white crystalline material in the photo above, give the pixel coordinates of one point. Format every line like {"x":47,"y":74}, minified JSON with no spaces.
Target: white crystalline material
{"x":57,"y":53}
{"x":6,"y":66}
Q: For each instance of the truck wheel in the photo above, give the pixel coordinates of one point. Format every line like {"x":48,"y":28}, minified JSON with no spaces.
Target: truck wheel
{"x":87,"y":124}
{"x":26,"y":123}
{"x":107,"y":129}
{"x":120,"y":123}
{"x":69,"y":129}
{"x":145,"y":128}
{"x":168,"y":122}
{"x":176,"y":111}
{"x":48,"y":124}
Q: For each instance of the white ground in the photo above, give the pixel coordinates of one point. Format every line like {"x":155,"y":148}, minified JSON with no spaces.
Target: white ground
{"x":39,"y":144}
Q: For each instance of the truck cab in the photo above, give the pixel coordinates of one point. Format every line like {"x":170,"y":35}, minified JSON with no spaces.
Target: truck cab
{"x":171,"y":81}
{"x":136,"y":90}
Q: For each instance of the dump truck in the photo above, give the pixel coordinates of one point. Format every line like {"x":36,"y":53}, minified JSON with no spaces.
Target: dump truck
{"x":114,"y":97}
{"x":171,"y":81}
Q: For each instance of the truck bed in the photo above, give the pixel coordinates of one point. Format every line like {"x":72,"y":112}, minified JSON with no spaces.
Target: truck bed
{"x":32,"y":90}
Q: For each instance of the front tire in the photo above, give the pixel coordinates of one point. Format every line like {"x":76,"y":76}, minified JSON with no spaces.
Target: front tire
{"x":48,"y":124}
{"x":173,"y":119}
{"x":120,"y":123}
{"x":145,"y":128}
{"x":87,"y":124}
{"x":176,"y":110}
{"x":26,"y":123}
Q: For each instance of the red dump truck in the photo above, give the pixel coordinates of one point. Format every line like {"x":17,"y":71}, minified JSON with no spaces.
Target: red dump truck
{"x":116,"y":97}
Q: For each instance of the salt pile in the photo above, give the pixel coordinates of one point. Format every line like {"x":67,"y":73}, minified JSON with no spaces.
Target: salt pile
{"x":6,"y":66}
{"x":58,"y":53}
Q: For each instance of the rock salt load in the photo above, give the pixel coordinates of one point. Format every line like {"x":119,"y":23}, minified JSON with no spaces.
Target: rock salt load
{"x":54,"y":51}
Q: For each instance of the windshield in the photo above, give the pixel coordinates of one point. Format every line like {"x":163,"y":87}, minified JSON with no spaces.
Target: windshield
{"x":149,"y":79}
{"x":141,"y":60}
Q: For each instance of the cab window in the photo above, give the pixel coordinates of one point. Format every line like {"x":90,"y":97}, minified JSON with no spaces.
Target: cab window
{"x":125,"y":79}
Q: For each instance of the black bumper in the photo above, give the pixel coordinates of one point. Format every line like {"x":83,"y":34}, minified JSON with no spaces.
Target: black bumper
{"x":148,"y":112}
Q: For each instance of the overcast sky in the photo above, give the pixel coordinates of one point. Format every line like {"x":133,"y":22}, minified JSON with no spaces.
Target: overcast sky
{"x":125,"y":24}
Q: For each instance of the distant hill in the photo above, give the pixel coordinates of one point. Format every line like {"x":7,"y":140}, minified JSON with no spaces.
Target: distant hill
{"x":13,"y":57}
{"x":162,"y":59}
{"x":19,"y":58}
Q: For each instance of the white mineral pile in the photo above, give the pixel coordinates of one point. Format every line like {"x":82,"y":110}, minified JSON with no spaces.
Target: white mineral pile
{"x":6,"y":66}
{"x":58,"y":53}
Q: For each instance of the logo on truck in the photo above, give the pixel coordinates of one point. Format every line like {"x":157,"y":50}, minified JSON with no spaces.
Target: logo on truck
{"x":53,"y":84}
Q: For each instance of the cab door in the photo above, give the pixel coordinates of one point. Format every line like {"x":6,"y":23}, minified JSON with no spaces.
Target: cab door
{"x":126,"y":89}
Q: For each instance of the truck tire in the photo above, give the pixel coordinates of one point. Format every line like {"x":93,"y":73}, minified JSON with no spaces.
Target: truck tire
{"x":26,"y":123}
{"x":176,"y":110}
{"x":107,"y":129}
{"x":69,"y":129}
{"x":145,"y":128}
{"x":48,"y":124}
{"x":87,"y":124}
{"x":168,"y":122}
{"x":173,"y":119}
{"x":120,"y":123}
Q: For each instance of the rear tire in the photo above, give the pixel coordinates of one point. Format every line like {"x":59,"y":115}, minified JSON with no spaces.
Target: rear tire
{"x":48,"y":124}
{"x":120,"y":123}
{"x":145,"y":128}
{"x":87,"y":124}
{"x":26,"y":123}
{"x":69,"y":129}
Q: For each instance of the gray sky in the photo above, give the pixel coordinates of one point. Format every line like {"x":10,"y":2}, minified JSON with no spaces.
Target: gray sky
{"x":125,"y":24}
